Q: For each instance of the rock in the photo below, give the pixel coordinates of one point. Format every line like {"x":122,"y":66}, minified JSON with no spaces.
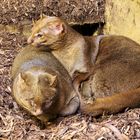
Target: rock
{"x":122,"y":17}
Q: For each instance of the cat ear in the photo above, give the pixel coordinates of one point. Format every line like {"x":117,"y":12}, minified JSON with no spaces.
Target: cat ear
{"x":53,"y":80}
{"x":23,"y":76}
{"x":43,"y":16}
{"x":33,"y":22}
{"x":57,"y":28}
{"x":49,"y":79}
{"x":26,"y":77}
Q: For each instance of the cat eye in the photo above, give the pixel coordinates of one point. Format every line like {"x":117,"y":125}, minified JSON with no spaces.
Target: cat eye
{"x":39,"y":35}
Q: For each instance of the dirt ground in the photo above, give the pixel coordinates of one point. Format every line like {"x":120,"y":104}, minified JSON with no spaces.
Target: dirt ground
{"x":16,"y":124}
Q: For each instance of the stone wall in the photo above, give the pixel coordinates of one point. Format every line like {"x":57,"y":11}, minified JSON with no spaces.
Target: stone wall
{"x":123,"y":17}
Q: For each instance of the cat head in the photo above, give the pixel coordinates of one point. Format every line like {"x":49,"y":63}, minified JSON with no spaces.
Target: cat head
{"x":47,"y":31}
{"x":34,"y":89}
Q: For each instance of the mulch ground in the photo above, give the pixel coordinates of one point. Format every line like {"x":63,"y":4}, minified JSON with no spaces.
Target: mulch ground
{"x":16,"y":124}
{"x":74,"y":11}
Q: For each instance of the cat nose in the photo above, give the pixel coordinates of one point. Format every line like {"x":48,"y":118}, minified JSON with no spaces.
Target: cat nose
{"x":30,"y":40}
{"x":46,"y":106}
{"x":37,"y":112}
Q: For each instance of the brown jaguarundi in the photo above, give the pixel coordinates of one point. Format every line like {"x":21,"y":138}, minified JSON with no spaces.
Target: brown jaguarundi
{"x":41,"y":85}
{"x":104,"y":68}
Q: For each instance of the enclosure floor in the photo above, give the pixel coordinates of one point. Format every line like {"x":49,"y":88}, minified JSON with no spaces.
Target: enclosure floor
{"x":16,"y":124}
